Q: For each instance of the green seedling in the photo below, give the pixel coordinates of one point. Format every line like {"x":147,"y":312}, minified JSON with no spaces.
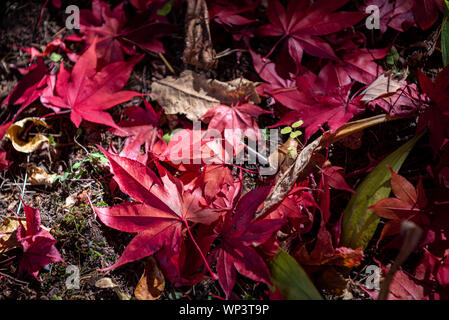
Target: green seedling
{"x":293,"y":133}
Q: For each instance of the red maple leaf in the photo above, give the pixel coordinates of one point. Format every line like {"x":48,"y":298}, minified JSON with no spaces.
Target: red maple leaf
{"x":354,"y":63}
{"x":436,"y":115}
{"x":237,"y":238}
{"x":86,"y":92}
{"x":403,"y":287}
{"x":116,"y":35}
{"x":162,"y":215}
{"x":409,"y":204}
{"x":228,"y":12}
{"x":142,"y":128}
{"x":281,"y":88}
{"x":426,"y":12}
{"x":301,"y":23}
{"x":394,"y":14}
{"x":30,"y":87}
{"x":211,"y":179}
{"x":37,"y":244}
{"x":318,"y":105}
{"x":233,"y":123}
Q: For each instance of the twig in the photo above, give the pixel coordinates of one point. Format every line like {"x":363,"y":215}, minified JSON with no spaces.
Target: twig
{"x":412,"y":234}
{"x":12,"y":278}
{"x":166,"y":63}
{"x":23,"y":188}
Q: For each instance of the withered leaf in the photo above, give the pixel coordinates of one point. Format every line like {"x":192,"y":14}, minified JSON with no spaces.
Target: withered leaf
{"x":385,"y":85}
{"x":193,"y":94}
{"x":152,"y":282}
{"x":39,"y":176}
{"x":198,"y":50}
{"x":23,"y":144}
{"x":8,"y":240}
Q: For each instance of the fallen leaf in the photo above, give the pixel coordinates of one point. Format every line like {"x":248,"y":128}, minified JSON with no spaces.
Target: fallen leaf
{"x":8,"y":239}
{"x":39,"y":176}
{"x":385,"y":85}
{"x":37,"y":243}
{"x":193,"y":94}
{"x":105,"y":283}
{"x":199,"y":50}
{"x":15,"y":131}
{"x":108,"y":283}
{"x":88,"y":92}
{"x":152,"y":282}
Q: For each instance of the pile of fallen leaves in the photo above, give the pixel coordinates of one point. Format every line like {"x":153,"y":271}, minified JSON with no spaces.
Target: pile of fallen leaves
{"x":314,"y":225}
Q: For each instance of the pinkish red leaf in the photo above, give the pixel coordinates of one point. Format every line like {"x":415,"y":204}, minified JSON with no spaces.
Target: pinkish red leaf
{"x":37,"y":244}
{"x":86,"y":92}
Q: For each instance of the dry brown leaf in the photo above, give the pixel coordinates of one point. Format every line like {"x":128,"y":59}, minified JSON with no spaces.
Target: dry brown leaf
{"x":193,"y":94}
{"x":108,"y":283}
{"x":8,"y":229}
{"x":105,"y":283}
{"x":39,"y":176}
{"x":8,"y":240}
{"x":24,"y":144}
{"x":152,"y":283}
{"x":198,"y":49}
{"x":385,"y":85}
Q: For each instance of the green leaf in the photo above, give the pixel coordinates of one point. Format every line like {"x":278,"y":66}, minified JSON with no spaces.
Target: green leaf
{"x":392,"y":57}
{"x":55,"y":57}
{"x":297,"y":124}
{"x":291,"y":279}
{"x":445,"y":37}
{"x":99,"y":156}
{"x":165,"y":9}
{"x":51,"y":140}
{"x":295,"y":134}
{"x":359,"y":223}
{"x":76,"y":165}
{"x":167,"y":137}
{"x":64,"y":177}
{"x":286,"y":130}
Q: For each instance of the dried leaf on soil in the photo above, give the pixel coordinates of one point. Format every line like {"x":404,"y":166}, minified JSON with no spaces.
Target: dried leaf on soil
{"x":152,"y":282}
{"x":26,"y":145}
{"x":193,"y":94}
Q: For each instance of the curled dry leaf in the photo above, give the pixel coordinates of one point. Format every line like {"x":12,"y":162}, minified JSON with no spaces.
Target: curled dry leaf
{"x":17,"y":130}
{"x":152,"y":282}
{"x":199,"y":50}
{"x":385,"y":85}
{"x":105,"y":283}
{"x":39,"y":176}
{"x":193,"y":94}
{"x":8,"y":239}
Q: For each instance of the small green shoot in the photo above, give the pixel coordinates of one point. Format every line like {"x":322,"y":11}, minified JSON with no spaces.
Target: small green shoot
{"x":293,"y":133}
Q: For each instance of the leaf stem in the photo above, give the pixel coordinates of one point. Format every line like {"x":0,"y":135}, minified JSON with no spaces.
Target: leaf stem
{"x":214,"y":276}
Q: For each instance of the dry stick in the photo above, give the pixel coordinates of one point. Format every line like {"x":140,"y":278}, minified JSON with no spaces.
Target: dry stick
{"x":165,"y":61}
{"x":412,"y":234}
{"x":287,"y":179}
